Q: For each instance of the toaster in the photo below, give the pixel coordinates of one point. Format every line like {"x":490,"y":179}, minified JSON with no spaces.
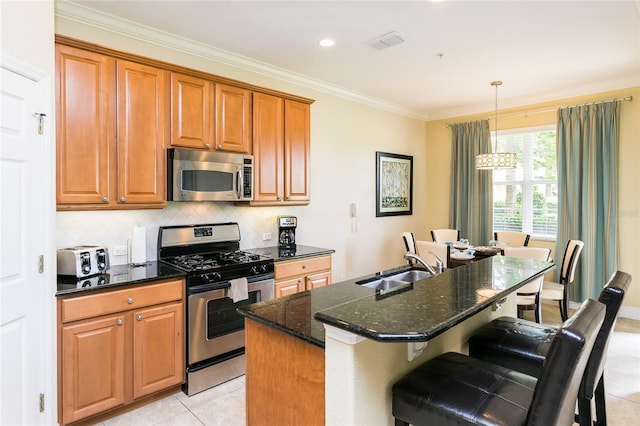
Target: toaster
{"x":83,"y":261}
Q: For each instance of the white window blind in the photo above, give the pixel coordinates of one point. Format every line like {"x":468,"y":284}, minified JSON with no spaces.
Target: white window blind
{"x":526,"y":198}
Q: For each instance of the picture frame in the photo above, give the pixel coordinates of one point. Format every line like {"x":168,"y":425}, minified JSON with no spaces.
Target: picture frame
{"x":394,"y":184}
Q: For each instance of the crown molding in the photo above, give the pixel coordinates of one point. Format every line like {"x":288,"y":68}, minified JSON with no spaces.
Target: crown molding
{"x":123,"y":27}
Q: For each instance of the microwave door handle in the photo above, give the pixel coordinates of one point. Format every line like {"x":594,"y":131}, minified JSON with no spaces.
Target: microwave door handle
{"x":239,"y":180}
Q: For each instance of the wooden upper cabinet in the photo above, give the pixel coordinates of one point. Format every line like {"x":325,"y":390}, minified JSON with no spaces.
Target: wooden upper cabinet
{"x":233,"y":119}
{"x":85,"y":130}
{"x":297,"y":126}
{"x":281,"y":150}
{"x":268,"y":147}
{"x":191,"y":111}
{"x":142,"y":132}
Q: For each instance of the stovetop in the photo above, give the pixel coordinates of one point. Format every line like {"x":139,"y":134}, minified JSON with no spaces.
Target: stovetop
{"x":212,"y":261}
{"x":210,"y":253}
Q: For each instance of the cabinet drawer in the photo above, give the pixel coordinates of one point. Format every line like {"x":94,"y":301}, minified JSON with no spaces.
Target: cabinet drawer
{"x":81,"y":307}
{"x":301,"y":267}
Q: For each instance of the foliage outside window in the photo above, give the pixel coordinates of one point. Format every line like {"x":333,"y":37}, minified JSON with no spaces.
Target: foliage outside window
{"x":526,"y":198}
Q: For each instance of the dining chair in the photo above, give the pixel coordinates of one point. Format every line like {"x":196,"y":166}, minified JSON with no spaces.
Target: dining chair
{"x":522,"y":346}
{"x":428,"y":250}
{"x":445,"y":235}
{"x":409,"y":242}
{"x":528,"y":296}
{"x":560,"y":291}
{"x":455,"y":389}
{"x":512,"y":238}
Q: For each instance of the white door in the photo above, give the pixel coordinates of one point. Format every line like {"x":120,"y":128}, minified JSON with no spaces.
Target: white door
{"x":22,"y":224}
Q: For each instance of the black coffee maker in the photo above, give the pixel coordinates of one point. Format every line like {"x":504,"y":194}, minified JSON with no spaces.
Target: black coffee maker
{"x":287,"y":232}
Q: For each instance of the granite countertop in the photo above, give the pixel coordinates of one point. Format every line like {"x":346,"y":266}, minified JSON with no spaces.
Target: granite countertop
{"x":117,"y":276}
{"x":300,"y":251}
{"x":124,"y":275}
{"x":418,"y":312}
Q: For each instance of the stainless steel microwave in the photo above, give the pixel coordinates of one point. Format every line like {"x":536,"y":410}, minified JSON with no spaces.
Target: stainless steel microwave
{"x":208,"y":176}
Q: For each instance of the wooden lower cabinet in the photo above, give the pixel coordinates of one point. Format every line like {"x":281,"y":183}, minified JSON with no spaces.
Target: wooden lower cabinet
{"x":110,"y":359}
{"x":298,"y":275}
{"x":285,"y":378}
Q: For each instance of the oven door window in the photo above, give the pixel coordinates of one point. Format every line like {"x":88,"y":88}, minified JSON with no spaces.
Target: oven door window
{"x":222,"y":317}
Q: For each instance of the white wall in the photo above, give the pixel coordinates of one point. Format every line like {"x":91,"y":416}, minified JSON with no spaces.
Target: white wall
{"x":344,"y":138}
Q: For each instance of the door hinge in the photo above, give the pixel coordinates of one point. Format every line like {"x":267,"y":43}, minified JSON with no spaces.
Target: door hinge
{"x":41,"y":264}
{"x":40,"y":116}
{"x":42,"y":403}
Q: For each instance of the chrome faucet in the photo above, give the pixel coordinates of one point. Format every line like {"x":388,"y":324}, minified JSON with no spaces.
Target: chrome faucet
{"x":408,"y":256}
{"x":439,"y":262}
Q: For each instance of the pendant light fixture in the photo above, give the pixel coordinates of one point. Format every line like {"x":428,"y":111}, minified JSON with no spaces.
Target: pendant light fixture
{"x":496,"y":160}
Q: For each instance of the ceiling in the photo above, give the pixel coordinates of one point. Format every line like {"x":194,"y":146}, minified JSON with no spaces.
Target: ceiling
{"x":452,"y":50}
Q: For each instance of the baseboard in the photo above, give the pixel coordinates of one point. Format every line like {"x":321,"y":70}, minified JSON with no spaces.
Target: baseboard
{"x":625,"y":311}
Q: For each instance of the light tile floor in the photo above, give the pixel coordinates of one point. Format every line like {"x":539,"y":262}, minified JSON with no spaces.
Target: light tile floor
{"x":225,"y":404}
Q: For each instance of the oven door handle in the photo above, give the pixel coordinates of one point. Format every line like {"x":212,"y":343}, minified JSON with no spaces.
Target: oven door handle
{"x":203,"y":288}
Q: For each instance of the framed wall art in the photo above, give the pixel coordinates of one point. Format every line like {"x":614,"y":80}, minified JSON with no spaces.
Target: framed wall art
{"x":394,"y":184}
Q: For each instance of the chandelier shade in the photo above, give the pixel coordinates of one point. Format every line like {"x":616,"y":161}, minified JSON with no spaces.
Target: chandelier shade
{"x":496,"y":160}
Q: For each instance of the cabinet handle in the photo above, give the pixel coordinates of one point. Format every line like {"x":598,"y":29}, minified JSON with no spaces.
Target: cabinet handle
{"x":130,"y":300}
{"x":219,"y":146}
{"x":208,"y":145}
{"x":139,"y":317}
{"x":123,"y":199}
{"x":120,"y":321}
{"x":304,"y":266}
{"x":105,"y":199}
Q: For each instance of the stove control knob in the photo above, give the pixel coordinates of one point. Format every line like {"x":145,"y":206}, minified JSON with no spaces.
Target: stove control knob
{"x":254,"y":270}
{"x":212,"y":277}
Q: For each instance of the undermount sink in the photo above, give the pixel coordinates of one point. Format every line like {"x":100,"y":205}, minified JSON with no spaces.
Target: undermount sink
{"x":396,"y":280}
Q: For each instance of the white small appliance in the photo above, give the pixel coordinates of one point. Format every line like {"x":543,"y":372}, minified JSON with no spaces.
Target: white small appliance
{"x":83,"y":261}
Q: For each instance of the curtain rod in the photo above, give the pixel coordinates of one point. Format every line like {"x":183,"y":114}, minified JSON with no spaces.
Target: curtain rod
{"x":517,"y":114}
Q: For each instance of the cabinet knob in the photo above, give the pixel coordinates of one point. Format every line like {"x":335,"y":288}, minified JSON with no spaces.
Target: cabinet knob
{"x":123,"y":199}
{"x":208,"y":145}
{"x":105,"y":199}
{"x":120,"y":321}
{"x":219,"y":146}
{"x":139,"y":317}
{"x":304,"y":266}
{"x":130,"y":300}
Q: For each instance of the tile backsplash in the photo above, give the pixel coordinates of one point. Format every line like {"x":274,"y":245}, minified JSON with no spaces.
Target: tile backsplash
{"x":115,"y":227}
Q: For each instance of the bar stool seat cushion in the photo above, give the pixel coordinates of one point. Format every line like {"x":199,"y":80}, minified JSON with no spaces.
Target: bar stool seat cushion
{"x":515,"y":343}
{"x":453,"y":383}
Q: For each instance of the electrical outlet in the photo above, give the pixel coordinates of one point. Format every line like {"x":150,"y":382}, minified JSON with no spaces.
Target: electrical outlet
{"x":266,"y":236}
{"x":119,"y":250}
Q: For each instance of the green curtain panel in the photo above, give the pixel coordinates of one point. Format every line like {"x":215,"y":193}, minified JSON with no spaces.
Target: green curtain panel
{"x":471,"y":204}
{"x":587,"y":143}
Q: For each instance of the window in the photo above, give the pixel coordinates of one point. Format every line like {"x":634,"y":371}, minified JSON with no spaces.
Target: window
{"x":526,"y":198}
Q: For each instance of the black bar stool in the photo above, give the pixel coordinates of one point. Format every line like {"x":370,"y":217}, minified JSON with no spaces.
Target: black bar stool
{"x":523,"y":346}
{"x":456,"y":389}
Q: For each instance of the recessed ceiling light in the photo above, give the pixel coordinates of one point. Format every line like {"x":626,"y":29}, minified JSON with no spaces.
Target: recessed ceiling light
{"x":326,"y":42}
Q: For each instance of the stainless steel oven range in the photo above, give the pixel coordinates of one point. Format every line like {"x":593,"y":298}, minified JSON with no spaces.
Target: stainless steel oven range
{"x":211,"y":257}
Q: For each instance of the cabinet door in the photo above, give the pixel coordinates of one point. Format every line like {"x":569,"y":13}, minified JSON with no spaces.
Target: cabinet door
{"x":191,"y":111}
{"x":268,"y":167}
{"x":158,"y":348}
{"x":85,"y":126}
{"x":233,"y":119}
{"x":296,"y":151}
{"x":318,"y":280}
{"x":93,"y":362}
{"x":287,"y":287}
{"x":142,"y":132}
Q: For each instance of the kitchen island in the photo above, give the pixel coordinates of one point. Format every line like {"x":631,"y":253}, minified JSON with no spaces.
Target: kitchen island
{"x":330,"y":356}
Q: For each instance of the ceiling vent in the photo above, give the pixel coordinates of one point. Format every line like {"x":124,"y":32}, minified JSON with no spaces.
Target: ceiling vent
{"x":386,"y":40}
